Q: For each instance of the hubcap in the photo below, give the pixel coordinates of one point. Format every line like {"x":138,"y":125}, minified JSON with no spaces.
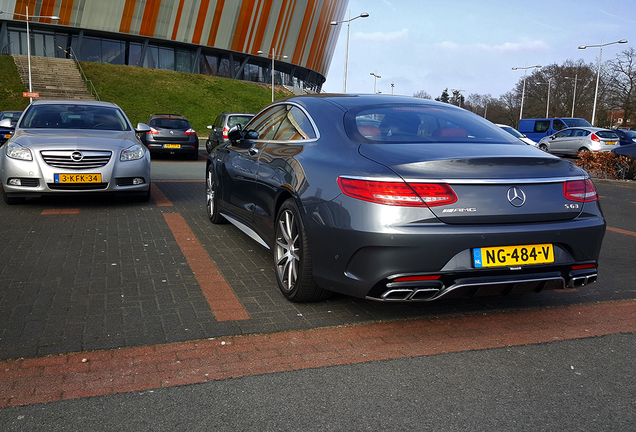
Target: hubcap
{"x":210,"y":194}
{"x":287,"y":246}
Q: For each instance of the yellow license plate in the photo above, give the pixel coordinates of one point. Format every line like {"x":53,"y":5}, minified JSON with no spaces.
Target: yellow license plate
{"x":513,"y":255}
{"x":172,"y":146}
{"x":610,"y":142}
{"x":78,"y":178}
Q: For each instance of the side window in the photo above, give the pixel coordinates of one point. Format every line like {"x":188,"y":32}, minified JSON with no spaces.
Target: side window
{"x":541,"y":126}
{"x":218,"y":123}
{"x":563,"y":134}
{"x":558,"y":125}
{"x":266,"y":124}
{"x":295,"y":126}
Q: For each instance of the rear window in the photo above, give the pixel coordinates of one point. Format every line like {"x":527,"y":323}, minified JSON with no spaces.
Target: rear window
{"x":242,"y":120}
{"x":420,"y":124}
{"x":170,"y":123}
{"x":607,"y":134}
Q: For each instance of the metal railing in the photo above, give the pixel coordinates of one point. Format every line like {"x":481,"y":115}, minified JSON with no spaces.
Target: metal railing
{"x":89,"y":84}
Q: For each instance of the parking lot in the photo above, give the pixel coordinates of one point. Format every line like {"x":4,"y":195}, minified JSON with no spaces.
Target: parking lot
{"x":87,"y":273}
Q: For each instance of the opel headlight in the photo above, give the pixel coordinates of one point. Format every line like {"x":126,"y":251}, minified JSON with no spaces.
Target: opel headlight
{"x":16,"y":151}
{"x":133,"y":152}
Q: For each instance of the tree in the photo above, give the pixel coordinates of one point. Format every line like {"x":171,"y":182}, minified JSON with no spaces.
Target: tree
{"x":422,"y":95}
{"x":621,"y":85}
{"x":443,"y":97}
{"x":457,"y":98}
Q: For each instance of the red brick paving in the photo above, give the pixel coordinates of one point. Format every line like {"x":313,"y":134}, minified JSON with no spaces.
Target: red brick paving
{"x":222,"y":300}
{"x":67,"y":376}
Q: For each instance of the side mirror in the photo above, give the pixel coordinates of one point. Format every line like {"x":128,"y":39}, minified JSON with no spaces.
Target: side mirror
{"x":6,"y":123}
{"x":209,"y":127}
{"x":235,"y":133}
{"x":142,"y":127}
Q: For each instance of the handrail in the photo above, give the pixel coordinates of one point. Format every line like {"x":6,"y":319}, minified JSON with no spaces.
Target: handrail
{"x":89,"y":84}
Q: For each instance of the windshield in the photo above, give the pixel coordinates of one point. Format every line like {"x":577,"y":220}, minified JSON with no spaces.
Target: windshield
{"x":420,"y":124}
{"x":577,"y":122}
{"x":512,"y":131}
{"x":66,"y":116}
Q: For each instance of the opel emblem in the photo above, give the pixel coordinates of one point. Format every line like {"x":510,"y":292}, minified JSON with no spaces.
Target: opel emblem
{"x":77,"y":156}
{"x":516,"y":197}
{"x":171,"y":132}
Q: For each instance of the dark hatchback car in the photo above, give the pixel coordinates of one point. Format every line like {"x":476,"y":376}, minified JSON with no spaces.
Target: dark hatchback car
{"x":5,"y":133}
{"x":403,"y":199}
{"x":626,"y":136}
{"x":171,"y":134}
{"x":222,"y":125}
{"x":627,"y":171}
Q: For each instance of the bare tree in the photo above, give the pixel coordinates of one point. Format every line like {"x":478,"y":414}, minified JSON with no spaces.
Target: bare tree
{"x":422,"y":95}
{"x":621,"y":84}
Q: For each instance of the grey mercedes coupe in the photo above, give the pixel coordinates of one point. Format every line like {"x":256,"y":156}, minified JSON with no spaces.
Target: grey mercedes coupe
{"x":394,"y":198}
{"x":73,"y":147}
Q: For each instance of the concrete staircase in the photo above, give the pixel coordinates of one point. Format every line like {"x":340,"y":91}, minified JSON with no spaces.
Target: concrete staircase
{"x":53,"y":78}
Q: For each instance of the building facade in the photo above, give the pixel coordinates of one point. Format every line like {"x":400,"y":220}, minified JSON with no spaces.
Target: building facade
{"x":229,"y":38}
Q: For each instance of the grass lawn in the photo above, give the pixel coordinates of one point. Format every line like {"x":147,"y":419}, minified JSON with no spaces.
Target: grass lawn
{"x":141,"y":92}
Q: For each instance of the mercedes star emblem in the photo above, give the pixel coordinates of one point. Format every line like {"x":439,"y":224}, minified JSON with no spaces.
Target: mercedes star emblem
{"x":516,"y":197}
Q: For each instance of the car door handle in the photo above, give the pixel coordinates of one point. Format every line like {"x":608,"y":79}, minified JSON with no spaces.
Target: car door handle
{"x":253,"y":151}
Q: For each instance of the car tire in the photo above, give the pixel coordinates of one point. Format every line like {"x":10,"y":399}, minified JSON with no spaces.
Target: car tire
{"x":292,"y":258}
{"x":212,"y":203}
{"x":11,"y":200}
{"x":208,"y":146}
{"x":146,"y":196}
{"x":543,"y":147}
{"x":582,"y":150}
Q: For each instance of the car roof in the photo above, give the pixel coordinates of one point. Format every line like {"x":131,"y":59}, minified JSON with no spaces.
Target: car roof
{"x":74,"y":102}
{"x":179,"y":116}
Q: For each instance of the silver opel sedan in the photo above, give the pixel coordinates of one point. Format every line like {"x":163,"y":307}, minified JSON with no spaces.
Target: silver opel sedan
{"x":73,"y":147}
{"x":402,"y":199}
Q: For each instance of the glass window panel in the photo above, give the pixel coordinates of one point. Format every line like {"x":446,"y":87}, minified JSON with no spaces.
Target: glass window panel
{"x":113,"y":51}
{"x":91,"y":49}
{"x":151,"y":60}
{"x":166,"y":58}
{"x":134,"y":54}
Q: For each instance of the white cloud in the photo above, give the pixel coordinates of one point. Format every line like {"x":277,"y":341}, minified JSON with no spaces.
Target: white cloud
{"x":508,"y":47}
{"x":381,"y":37}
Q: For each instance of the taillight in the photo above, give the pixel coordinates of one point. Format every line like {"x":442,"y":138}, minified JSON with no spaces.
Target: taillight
{"x":190,"y":132}
{"x":152,"y":131}
{"x":595,"y":138}
{"x":225,"y":131}
{"x":398,"y":193}
{"x":580,"y":191}
{"x":416,"y":278}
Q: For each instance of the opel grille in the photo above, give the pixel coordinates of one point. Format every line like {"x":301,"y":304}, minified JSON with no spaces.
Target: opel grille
{"x":76,"y":159}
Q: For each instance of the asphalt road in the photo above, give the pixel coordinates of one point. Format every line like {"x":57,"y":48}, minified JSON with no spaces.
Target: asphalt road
{"x":579,"y":385}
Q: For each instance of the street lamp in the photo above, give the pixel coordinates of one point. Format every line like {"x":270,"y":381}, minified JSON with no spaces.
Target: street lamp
{"x":523,"y":93}
{"x":547,"y":107}
{"x":598,"y":75}
{"x":375,"y":80}
{"x":26,"y":17}
{"x":273,"y":55}
{"x":348,"y":21}
{"x":576,"y":77}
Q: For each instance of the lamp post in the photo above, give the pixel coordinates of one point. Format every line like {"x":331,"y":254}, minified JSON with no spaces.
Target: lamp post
{"x":598,"y":74}
{"x":375,"y":80}
{"x":576,"y":77}
{"x":547,"y":107}
{"x":523,"y":92}
{"x":348,"y":21}
{"x":273,"y":55}
{"x":26,"y":17}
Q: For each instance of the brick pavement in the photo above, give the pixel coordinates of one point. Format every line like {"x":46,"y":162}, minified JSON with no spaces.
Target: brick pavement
{"x":94,"y":373}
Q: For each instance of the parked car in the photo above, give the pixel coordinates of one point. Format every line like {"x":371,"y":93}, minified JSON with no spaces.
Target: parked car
{"x":626,"y":136}
{"x":171,"y":134}
{"x":571,"y":141}
{"x":427,"y":201}
{"x":515,"y":133}
{"x":628,"y":151}
{"x":538,"y":128}
{"x":6,"y":132}
{"x":74,"y":147}
{"x":221,"y":126}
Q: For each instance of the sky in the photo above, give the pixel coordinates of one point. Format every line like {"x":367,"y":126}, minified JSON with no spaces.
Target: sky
{"x":471,"y":45}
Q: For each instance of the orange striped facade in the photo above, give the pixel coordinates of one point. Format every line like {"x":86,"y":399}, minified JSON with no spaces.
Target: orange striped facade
{"x":298,"y":29}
